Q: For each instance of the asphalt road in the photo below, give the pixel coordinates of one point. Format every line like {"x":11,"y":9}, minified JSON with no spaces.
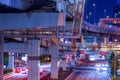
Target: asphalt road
{"x":17,"y":76}
{"x":89,"y":71}
{"x":84,"y":71}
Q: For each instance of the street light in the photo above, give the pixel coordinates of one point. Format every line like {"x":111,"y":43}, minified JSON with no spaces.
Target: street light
{"x":94,"y":5}
{"x":86,"y":11}
{"x":87,"y":17}
{"x":90,"y":13}
{"x":105,"y":12}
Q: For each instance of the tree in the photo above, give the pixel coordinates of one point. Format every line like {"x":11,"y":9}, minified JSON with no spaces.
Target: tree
{"x":6,"y":59}
{"x":111,"y":56}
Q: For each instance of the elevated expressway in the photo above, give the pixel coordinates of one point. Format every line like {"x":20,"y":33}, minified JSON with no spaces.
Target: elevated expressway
{"x":43,"y":19}
{"x":36,"y":25}
{"x":64,"y":32}
{"x":35,"y":22}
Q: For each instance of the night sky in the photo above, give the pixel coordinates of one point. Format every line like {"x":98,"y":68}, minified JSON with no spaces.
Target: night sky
{"x":99,"y":9}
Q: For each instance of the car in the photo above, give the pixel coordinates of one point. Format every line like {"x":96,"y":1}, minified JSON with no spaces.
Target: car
{"x":102,"y":67}
{"x":98,"y":65}
{"x":43,"y":69}
{"x":18,"y":70}
{"x":91,"y":58}
{"x":118,"y":72}
{"x":105,"y":65}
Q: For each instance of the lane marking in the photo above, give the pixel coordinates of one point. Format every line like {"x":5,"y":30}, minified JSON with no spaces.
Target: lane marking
{"x":6,"y":76}
{"x":69,"y":76}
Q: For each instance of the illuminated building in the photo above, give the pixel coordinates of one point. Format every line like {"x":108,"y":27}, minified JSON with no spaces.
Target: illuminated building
{"x":116,"y":10}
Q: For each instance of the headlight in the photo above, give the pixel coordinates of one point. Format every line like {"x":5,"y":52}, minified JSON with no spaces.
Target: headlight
{"x":104,"y":68}
{"x":98,"y":65}
{"x":105,"y":65}
{"x":92,"y":59}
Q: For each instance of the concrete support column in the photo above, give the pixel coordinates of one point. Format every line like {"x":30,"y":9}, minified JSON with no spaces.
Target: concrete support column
{"x":1,"y":54}
{"x":73,"y":59}
{"x":83,"y":41}
{"x":64,"y":64}
{"x":74,"y":51}
{"x":63,"y":6}
{"x":42,"y":51}
{"x":33,"y":60}
{"x":99,"y":43}
{"x":95,"y":39}
{"x":54,"y":61}
{"x":11,"y":61}
{"x":105,"y":41}
{"x":60,"y":5}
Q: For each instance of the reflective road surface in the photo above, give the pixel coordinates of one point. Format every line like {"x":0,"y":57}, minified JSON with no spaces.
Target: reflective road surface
{"x":90,"y":71}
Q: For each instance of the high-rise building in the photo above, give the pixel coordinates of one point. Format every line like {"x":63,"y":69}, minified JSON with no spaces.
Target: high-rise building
{"x":116,"y":10}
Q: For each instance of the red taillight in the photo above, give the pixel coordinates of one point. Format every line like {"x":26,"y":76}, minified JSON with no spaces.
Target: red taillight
{"x":18,"y":70}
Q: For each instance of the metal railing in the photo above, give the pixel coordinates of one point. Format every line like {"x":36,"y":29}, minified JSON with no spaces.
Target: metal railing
{"x":59,"y":32}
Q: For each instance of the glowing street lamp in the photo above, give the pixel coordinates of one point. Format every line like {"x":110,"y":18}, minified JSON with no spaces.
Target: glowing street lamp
{"x":90,"y":13}
{"x":115,"y":40}
{"x":105,"y":12}
{"x":94,"y":5}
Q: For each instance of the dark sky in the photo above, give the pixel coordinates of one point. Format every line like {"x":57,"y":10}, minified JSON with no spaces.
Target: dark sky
{"x":99,"y":9}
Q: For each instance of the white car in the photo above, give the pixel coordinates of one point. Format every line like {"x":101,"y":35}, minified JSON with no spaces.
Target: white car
{"x":118,"y":72}
{"x":103,"y":67}
{"x":91,"y":58}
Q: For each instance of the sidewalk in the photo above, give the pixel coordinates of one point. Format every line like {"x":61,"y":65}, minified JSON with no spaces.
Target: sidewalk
{"x":8,"y":75}
{"x":20,"y":76}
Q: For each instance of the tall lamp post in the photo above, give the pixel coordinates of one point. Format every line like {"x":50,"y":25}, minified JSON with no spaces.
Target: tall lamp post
{"x":86,"y":11}
{"x":90,"y":13}
{"x":94,"y":5}
{"x":105,"y":11}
